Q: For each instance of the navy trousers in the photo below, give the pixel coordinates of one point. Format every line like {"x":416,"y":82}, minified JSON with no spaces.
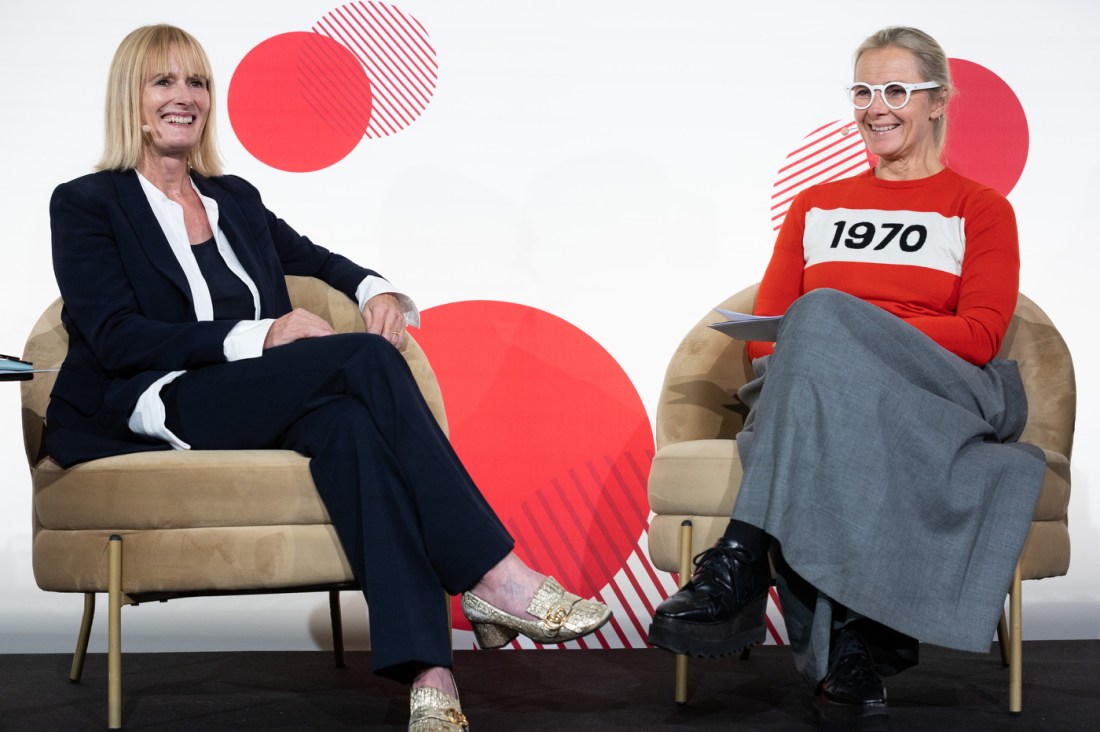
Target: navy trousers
{"x":410,"y":519}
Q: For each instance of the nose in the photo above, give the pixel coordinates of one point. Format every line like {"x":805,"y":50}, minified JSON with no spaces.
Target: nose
{"x":878,"y":103}
{"x":185,"y":93}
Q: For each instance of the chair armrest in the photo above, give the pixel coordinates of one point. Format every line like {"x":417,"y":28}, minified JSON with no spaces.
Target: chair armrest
{"x":699,"y":396}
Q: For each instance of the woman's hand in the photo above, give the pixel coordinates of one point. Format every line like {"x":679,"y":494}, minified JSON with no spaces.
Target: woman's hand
{"x":294,"y":326}
{"x":384,"y":317}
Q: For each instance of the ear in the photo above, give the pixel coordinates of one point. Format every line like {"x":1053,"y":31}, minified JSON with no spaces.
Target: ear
{"x":939,"y":105}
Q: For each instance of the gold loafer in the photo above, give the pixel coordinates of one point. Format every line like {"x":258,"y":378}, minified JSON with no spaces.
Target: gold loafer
{"x":562,"y":617}
{"x":431,"y":710}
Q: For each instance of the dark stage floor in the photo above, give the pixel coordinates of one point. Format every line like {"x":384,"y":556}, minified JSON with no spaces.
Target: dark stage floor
{"x":539,"y":690}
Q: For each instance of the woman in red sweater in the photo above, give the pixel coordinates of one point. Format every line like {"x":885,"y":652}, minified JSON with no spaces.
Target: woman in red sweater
{"x":880,"y":468}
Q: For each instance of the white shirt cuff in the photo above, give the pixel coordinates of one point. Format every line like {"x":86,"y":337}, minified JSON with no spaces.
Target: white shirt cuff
{"x":148,"y":415}
{"x":246,"y":340}
{"x":371,"y":286}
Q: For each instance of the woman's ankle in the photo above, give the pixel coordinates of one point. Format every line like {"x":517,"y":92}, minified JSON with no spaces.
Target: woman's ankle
{"x":509,"y":585}
{"x":437,"y":677}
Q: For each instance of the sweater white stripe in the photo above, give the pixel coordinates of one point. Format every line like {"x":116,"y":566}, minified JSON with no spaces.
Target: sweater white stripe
{"x":873,"y":236}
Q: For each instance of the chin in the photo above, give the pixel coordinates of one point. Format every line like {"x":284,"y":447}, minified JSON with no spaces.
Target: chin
{"x":883,"y":152}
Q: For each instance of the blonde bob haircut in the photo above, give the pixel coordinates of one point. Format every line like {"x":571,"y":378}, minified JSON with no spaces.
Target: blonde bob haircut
{"x":931,"y":60}
{"x":143,"y":54}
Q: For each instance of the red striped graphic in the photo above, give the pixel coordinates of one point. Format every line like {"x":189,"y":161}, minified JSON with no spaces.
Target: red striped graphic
{"x":831,"y":152}
{"x":635,"y":590}
{"x":319,"y":86}
{"x":399,"y":60}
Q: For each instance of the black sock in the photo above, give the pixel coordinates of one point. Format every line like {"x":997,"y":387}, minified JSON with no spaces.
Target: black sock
{"x":751,"y":537}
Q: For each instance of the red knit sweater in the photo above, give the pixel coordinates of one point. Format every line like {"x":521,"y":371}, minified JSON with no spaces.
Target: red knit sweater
{"x":940,"y":253}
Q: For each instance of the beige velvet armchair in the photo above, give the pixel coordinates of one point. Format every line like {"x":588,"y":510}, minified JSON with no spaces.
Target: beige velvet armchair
{"x":162,"y":525}
{"x":696,"y":471}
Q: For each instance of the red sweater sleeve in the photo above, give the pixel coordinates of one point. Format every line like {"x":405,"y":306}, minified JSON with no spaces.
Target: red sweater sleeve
{"x":988,"y":286}
{"x":782,"y":283}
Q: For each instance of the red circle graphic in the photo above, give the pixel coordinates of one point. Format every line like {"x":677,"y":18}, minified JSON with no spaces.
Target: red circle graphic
{"x":299,"y":102}
{"x":987,"y":134}
{"x":551,"y":429}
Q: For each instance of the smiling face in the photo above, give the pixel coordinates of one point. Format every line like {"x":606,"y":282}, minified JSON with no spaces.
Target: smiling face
{"x":903,"y":138}
{"x":174,"y":106}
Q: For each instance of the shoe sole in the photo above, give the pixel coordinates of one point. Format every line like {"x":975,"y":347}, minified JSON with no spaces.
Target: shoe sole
{"x":712,"y":640}
{"x":862,"y":717}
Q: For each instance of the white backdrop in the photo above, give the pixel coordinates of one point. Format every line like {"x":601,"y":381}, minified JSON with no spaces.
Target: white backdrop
{"x":609,"y":162}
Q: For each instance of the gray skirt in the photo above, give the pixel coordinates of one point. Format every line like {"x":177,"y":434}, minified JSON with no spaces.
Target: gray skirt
{"x":886,"y":470}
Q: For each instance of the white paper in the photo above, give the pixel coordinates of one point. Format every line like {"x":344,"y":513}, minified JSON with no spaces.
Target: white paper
{"x":748,"y":327}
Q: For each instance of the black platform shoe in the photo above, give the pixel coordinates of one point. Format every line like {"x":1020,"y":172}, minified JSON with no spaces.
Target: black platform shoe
{"x":721,"y":610}
{"x":852,"y":696}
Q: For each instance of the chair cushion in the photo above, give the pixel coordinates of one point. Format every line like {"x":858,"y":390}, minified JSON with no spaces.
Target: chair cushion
{"x":695,"y":481}
{"x":695,"y":477}
{"x":202,"y":521}
{"x":664,"y":537}
{"x":178,"y":489}
{"x":1053,"y":502}
{"x":698,"y":480}
{"x":1046,"y":551}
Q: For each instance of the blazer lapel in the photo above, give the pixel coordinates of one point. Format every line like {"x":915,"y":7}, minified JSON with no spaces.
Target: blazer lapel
{"x":147,"y":232}
{"x":233,"y":222}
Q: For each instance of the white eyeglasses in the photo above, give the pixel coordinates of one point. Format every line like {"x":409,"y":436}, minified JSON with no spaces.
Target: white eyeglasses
{"x":894,"y":93}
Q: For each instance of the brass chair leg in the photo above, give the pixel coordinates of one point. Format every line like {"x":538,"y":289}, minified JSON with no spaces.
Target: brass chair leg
{"x":82,"y":638}
{"x":337,"y":627}
{"x":1016,"y":641}
{"x":685,"y":576}
{"x":1002,"y":638}
{"x":114,"y":632}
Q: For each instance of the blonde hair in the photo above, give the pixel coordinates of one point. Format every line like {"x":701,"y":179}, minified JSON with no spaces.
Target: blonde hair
{"x":931,"y":60}
{"x":142,"y":54}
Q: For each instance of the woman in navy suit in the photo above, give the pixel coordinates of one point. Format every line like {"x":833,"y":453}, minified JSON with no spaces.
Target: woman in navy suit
{"x":181,"y":336}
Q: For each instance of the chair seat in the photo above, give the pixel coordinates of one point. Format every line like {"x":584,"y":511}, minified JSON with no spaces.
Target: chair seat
{"x":1047,"y":549}
{"x":208,"y":520}
{"x":178,"y":489}
{"x":698,"y":480}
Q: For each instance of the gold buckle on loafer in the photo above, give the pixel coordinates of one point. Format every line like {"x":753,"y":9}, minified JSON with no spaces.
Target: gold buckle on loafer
{"x":555,"y":618}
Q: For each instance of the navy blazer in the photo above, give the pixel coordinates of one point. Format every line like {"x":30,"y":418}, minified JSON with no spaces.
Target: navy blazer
{"x":128,"y":308}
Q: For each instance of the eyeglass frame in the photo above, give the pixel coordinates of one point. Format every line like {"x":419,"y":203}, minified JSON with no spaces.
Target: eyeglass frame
{"x":881,"y":88}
